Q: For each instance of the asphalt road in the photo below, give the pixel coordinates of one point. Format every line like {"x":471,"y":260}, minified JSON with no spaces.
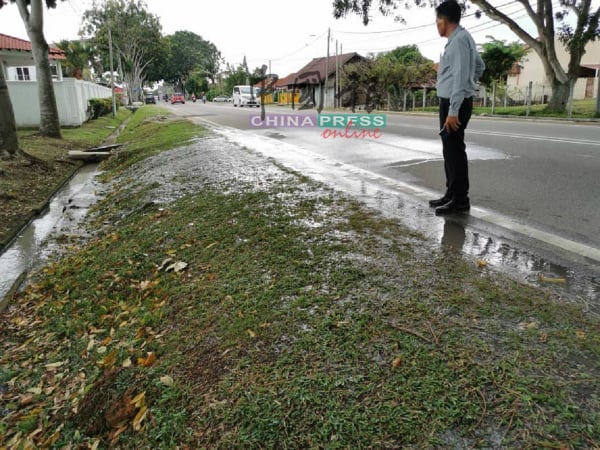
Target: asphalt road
{"x":543,"y":174}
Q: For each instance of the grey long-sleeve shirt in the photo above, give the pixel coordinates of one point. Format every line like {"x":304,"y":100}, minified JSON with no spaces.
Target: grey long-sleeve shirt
{"x":460,"y":69}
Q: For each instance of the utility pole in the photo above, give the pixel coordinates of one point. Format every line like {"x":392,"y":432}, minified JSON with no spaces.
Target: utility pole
{"x":337,"y":66}
{"x":598,"y":91}
{"x":324,"y":93}
{"x":112,"y":73}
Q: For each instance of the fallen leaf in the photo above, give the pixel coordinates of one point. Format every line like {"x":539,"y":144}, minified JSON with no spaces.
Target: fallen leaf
{"x":396,"y":362}
{"x":137,"y":421}
{"x":481,"y":263}
{"x":176,"y":267}
{"x":35,"y":390}
{"x":127,"y":363}
{"x":580,"y":334}
{"x":545,"y":279}
{"x":145,"y":285}
{"x":544,"y":338}
{"x":251,"y":333}
{"x":164,"y":263}
{"x":139,"y":400}
{"x":167,"y":380}
{"x":148,"y":361}
{"x":54,"y":365}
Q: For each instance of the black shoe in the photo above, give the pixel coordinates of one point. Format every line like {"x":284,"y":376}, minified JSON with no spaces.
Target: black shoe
{"x":439,"y":202}
{"x":453,"y":207}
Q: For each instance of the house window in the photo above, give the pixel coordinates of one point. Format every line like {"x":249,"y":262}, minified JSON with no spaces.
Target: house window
{"x":54,"y":71}
{"x":23,"y":74}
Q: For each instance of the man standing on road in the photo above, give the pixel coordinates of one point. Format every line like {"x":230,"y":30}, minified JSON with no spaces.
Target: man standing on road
{"x":460,"y":69}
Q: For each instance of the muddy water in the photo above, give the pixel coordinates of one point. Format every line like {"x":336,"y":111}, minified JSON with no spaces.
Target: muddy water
{"x":65,"y":212}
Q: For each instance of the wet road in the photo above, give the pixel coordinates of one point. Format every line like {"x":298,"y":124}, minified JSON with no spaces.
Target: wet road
{"x":539,"y":178}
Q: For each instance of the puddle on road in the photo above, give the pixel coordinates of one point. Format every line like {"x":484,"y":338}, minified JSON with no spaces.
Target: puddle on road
{"x":491,"y":246}
{"x":65,"y":212}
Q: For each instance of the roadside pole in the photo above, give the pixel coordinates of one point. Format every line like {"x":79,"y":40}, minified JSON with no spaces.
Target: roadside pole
{"x":112,"y":73}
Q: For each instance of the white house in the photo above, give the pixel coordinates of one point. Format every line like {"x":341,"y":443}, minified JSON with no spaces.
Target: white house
{"x":72,"y":95}
{"x":530,"y":69}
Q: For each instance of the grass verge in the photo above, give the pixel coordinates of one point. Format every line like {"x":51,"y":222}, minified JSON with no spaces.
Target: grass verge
{"x":283,"y":315}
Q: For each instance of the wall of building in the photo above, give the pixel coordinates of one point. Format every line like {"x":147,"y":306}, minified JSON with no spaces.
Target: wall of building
{"x":71,"y":100}
{"x":533,"y":70}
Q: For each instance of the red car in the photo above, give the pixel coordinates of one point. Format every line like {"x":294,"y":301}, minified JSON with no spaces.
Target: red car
{"x":177,"y":98}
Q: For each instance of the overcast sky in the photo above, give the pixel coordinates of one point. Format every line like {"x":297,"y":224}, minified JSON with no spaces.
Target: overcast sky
{"x":288,"y":34}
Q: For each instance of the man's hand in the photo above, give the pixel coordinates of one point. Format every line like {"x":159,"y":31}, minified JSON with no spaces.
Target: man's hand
{"x":451,"y":124}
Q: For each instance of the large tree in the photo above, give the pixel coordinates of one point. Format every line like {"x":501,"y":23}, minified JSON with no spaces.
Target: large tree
{"x":135,"y":35}
{"x":32,"y":13}
{"x":548,"y":23}
{"x":189,"y":54}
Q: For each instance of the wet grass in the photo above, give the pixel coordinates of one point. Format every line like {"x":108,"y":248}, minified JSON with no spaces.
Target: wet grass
{"x":301,"y":320}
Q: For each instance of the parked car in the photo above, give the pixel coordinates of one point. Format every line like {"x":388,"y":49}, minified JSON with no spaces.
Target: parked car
{"x":177,"y":98}
{"x":221,"y":98}
{"x":149,"y":99}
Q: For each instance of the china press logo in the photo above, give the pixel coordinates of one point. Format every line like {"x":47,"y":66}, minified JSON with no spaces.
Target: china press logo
{"x":333,"y":125}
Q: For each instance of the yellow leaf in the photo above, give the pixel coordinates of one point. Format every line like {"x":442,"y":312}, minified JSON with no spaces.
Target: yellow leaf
{"x":481,"y":263}
{"x":54,"y":365}
{"x":148,"y":361}
{"x":127,"y":363}
{"x":35,"y":390}
{"x":580,"y":334}
{"x":397,"y":362}
{"x":251,"y":333}
{"x":544,"y":279}
{"x":167,"y":380}
{"x":109,"y":360}
{"x":139,"y":417}
{"x":139,"y":400}
{"x":145,"y":285}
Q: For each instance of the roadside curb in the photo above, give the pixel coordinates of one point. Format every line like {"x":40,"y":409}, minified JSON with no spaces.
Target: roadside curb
{"x":7,"y":299}
{"x":37,"y":210}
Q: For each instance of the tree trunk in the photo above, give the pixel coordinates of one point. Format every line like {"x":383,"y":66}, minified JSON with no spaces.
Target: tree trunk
{"x":49,"y":119}
{"x":560,"y":96}
{"x":9,"y":140}
{"x":34,"y":24}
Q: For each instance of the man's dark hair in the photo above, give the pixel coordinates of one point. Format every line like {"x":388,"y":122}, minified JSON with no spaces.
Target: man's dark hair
{"x":449,"y":9}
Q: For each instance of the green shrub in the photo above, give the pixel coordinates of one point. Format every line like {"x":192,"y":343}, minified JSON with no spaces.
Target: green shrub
{"x":99,"y":107}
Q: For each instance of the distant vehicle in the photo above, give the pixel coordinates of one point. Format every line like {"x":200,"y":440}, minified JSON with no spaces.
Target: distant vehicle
{"x":177,"y":98}
{"x":149,"y":98}
{"x":245,"y":95}
{"x":222,"y":98}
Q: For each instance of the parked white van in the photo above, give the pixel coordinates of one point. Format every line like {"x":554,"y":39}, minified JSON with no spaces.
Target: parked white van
{"x":246,"y":95}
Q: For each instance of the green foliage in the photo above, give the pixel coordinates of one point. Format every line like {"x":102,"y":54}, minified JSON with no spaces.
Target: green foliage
{"x":135,"y":34}
{"x":99,"y":107}
{"x":499,"y":57}
{"x":79,"y":56}
{"x":387,"y":73}
{"x":190,"y":55}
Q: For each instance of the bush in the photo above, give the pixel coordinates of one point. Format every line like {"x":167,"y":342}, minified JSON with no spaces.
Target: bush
{"x":99,"y":107}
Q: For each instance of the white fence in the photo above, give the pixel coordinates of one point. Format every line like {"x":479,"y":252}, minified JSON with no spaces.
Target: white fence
{"x":72,"y":97}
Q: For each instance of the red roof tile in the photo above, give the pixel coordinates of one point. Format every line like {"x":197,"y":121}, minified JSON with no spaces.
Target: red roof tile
{"x":21,"y":45}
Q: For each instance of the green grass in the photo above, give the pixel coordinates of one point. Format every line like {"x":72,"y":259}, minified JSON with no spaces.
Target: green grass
{"x":352,"y":334}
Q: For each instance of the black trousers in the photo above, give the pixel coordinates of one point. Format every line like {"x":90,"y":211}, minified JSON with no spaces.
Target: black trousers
{"x":454,"y":150}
